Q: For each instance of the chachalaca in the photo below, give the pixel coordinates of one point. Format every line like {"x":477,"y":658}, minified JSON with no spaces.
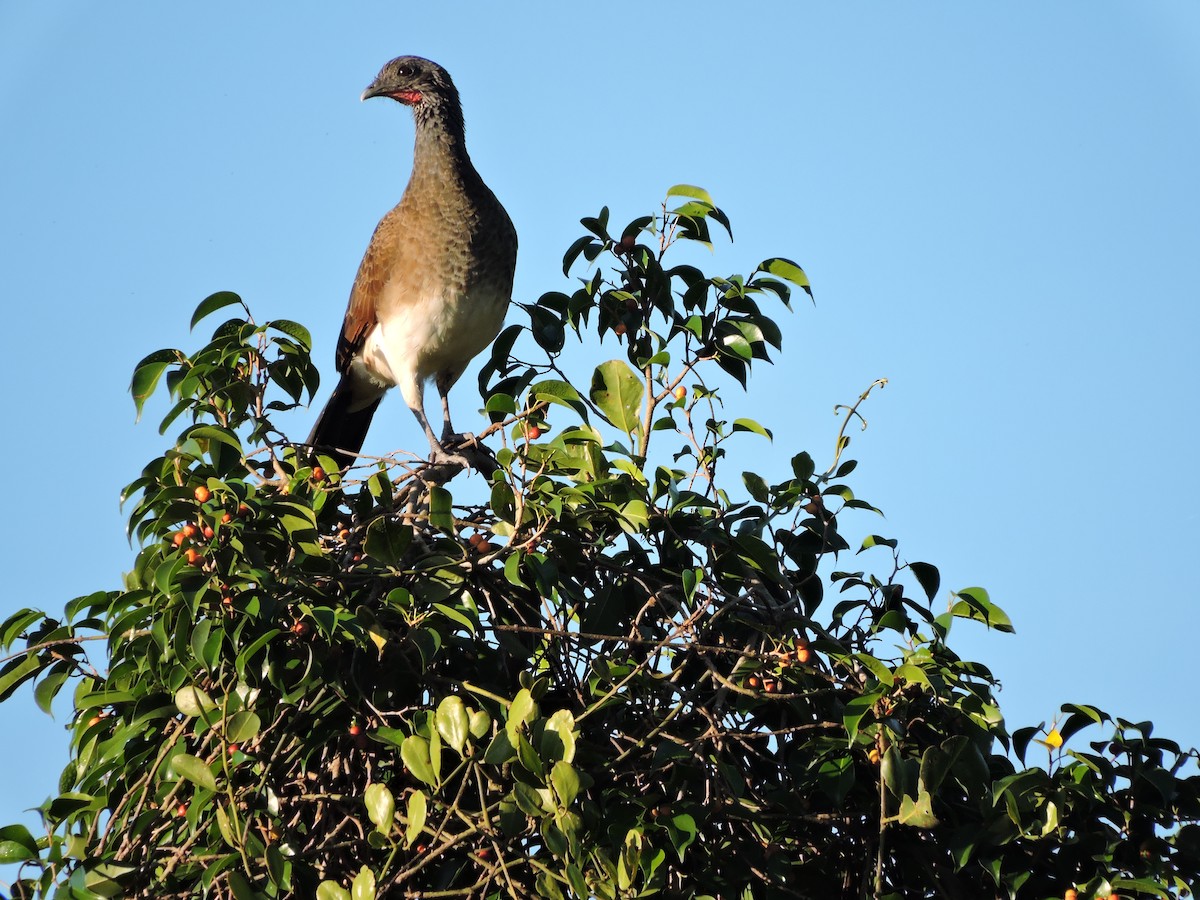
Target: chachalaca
{"x":436,"y":280}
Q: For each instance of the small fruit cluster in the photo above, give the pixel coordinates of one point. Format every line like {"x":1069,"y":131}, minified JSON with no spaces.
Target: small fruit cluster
{"x":800,"y":654}
{"x":480,"y":544}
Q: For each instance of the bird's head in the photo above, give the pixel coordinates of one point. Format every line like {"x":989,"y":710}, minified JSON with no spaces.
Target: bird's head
{"x":413,"y":81}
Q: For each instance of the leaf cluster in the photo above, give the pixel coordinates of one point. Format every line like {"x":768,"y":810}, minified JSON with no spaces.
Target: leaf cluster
{"x":601,"y":667}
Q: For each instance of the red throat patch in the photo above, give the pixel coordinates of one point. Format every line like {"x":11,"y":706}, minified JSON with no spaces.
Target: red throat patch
{"x":411,"y":98}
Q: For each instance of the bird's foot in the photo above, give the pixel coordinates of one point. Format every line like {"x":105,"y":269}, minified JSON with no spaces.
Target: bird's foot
{"x":464,"y":451}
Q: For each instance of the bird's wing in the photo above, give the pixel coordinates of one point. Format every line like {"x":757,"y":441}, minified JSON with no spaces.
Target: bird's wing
{"x":373,"y":273}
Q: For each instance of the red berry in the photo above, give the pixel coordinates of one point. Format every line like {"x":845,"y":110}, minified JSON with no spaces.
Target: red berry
{"x":619,"y":329}
{"x":534,"y":432}
{"x":208,"y":532}
{"x":202,"y":494}
{"x":318,"y":474}
{"x":628,"y":242}
{"x":233,"y":748}
{"x":181,"y":809}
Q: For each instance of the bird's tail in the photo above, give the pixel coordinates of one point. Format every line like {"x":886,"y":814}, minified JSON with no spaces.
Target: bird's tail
{"x":340,"y":429}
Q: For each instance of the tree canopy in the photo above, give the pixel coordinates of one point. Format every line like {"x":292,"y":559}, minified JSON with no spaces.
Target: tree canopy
{"x":604,"y":665}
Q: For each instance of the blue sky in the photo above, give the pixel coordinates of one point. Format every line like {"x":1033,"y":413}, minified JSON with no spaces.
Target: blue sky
{"x":998,"y":206}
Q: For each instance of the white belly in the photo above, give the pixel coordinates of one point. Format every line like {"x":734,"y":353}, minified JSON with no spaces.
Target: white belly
{"x":417,"y":341}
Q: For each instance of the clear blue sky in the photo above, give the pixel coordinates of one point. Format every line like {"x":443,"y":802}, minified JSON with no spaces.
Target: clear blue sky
{"x":998,"y":206}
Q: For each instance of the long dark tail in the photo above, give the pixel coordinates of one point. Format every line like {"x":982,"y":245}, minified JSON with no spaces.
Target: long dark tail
{"x":341,"y":430}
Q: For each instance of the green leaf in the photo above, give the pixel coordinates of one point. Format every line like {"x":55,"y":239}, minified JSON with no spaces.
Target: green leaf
{"x":917,"y":813}
{"x":415,"y":754}
{"x":928,"y":576}
{"x":565,"y":780}
{"x":522,"y":709}
{"x":194,"y":770}
{"x":16,"y":844}
{"x":193,"y":701}
{"x":146,"y":374}
{"x":752,"y":426}
{"x":618,"y":392}
{"x":974,"y":603}
{"x":417,"y":812}
{"x":561,"y":393}
{"x":690,"y":190}
{"x":441,"y":508}
{"x":363,"y":886}
{"x":452,"y":722}
{"x":788,"y":271}
{"x":292,"y":329}
{"x":47,"y":689}
{"x":331,"y":890}
{"x":381,"y":806}
{"x":212,"y":303}
{"x":756,"y":486}
{"x":387,"y":540}
{"x":558,"y":737}
{"x":242,"y":726}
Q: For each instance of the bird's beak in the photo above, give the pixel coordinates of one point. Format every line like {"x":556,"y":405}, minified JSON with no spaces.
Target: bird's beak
{"x":373,"y":90}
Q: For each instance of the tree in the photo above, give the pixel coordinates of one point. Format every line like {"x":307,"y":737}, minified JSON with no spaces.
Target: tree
{"x":605,"y":669}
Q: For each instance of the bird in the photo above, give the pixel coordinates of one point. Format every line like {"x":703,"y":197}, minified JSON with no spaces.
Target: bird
{"x":435,"y":282}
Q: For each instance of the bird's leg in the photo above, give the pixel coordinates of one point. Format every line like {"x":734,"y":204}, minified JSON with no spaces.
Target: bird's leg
{"x":450,"y":437}
{"x":414,"y":396}
{"x":435,"y":447}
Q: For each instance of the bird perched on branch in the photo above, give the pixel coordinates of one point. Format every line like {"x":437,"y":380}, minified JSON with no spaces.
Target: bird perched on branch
{"x":436,"y":280}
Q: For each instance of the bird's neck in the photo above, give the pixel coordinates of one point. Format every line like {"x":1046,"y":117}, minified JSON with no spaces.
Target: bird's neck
{"x":440,"y":142}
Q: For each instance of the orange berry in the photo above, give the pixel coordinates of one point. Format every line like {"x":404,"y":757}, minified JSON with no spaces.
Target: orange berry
{"x":803,"y":654}
{"x":178,"y":538}
{"x":202,"y":494}
{"x":181,"y":809}
{"x":873,"y":756}
{"x":226,"y":519}
{"x":680,"y":392}
{"x":208,"y":532}
{"x":420,"y":848}
{"x":318,"y":474}
{"x":753,"y":681}
{"x":95,"y":720}
{"x":534,"y":432}
{"x":301,"y":629}
{"x":356,"y":729}
{"x":1071,"y":894}
{"x":484,"y":853}
{"x":619,"y":329}
{"x":233,"y":748}
{"x":188,"y":530}
{"x":227,"y":601}
{"x":771,"y":686}
{"x":194,"y":556}
{"x":243,"y":510}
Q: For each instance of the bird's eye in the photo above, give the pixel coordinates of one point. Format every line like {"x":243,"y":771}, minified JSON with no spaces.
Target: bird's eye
{"x":406,"y":71}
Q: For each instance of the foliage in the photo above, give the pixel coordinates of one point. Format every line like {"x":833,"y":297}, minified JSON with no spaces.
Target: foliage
{"x":605,"y":670}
